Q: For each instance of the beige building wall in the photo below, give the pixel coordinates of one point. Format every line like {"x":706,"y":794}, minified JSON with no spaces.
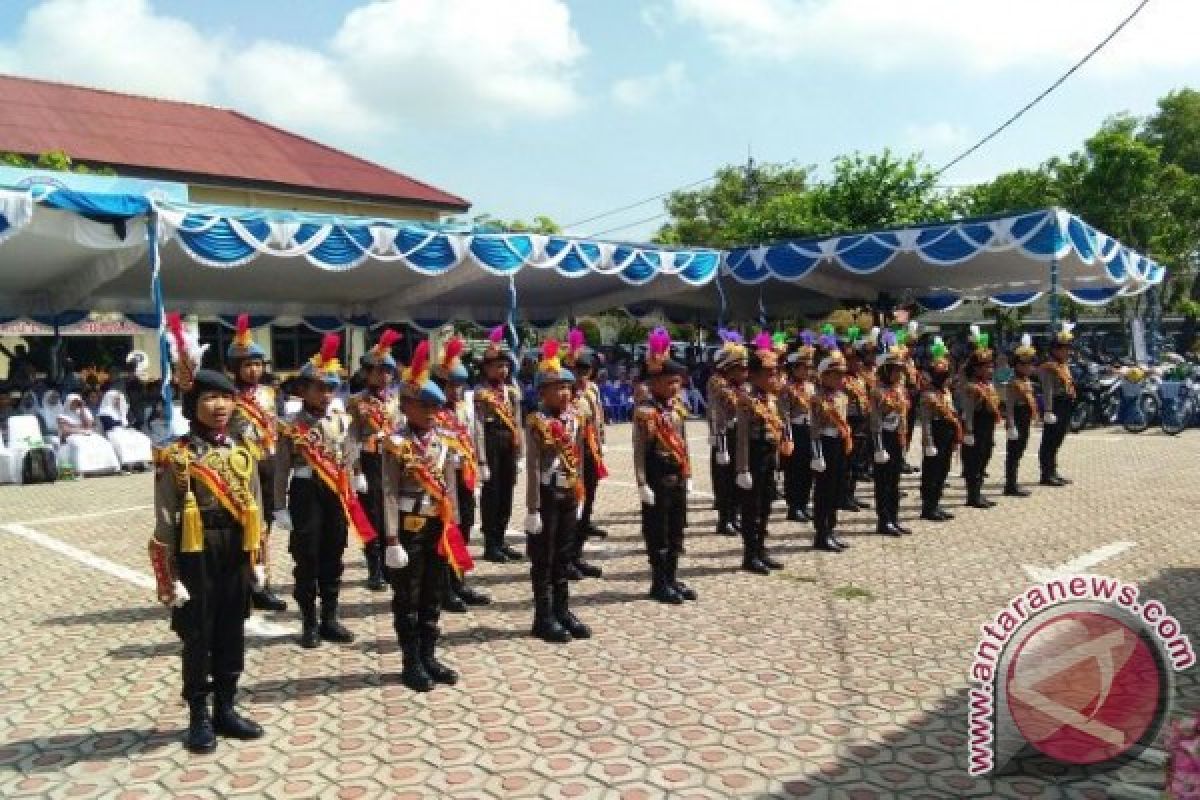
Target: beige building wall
{"x":257,"y":198}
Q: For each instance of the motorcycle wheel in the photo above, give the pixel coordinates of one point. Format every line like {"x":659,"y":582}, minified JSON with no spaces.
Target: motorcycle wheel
{"x":1111,"y":413}
{"x":1137,"y":420}
{"x":1176,"y":416}
{"x":1080,"y":416}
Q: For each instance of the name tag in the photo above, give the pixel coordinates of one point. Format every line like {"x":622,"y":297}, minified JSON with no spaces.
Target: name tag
{"x":411,"y":505}
{"x":891,"y":422}
{"x":800,"y":419}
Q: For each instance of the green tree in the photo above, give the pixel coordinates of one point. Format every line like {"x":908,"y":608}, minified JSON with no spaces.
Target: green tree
{"x":54,"y":160}
{"x":540,"y":224}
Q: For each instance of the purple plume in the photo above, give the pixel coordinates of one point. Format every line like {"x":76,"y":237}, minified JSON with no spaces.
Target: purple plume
{"x":730,"y":337}
{"x":828,"y":341}
{"x":808,"y":337}
{"x":888,"y":339}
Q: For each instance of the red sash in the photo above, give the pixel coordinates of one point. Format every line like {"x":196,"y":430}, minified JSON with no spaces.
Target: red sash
{"x":451,"y":547}
{"x":308,"y":442}
{"x":593,"y":444}
{"x":376,"y":417}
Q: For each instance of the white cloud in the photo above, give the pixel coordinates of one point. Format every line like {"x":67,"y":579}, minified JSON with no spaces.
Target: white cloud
{"x":475,"y":60}
{"x":391,"y":64}
{"x":654,"y":16}
{"x":641,"y":91}
{"x":978,"y":36}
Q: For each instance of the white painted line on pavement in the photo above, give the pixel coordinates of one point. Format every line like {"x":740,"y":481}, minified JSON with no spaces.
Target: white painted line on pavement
{"x":256,"y":624}
{"x":1080,"y":564}
{"x":93,"y":515}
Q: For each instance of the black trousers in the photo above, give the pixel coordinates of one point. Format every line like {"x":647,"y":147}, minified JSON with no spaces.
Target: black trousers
{"x":887,"y":480}
{"x":724,"y":489}
{"x":663,"y":523}
{"x":211,"y":624}
{"x":266,"y":481}
{"x":1054,"y":435}
{"x":317,"y":543}
{"x":829,"y":487}
{"x":914,"y":400}
{"x":935,"y":469}
{"x":1014,"y":449}
{"x":856,"y":465}
{"x":755,"y":502}
{"x":417,"y":588}
{"x":496,"y":499}
{"x":591,"y":479}
{"x":372,"y":503}
{"x":976,"y":457}
{"x":554,"y":548}
{"x":797,"y":472}
{"x":466,"y":521}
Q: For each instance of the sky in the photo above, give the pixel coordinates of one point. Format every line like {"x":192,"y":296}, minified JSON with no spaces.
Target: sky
{"x":572,"y":108}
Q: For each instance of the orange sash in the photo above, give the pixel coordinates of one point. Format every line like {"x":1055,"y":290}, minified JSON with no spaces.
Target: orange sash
{"x":502,"y":410}
{"x":830,"y":413}
{"x":593,"y":444}
{"x":1025,"y":387}
{"x":1064,"y":377}
{"x":662,"y":428}
{"x":946,"y":411}
{"x":451,"y":547}
{"x":895,"y":399}
{"x":459,"y":440}
{"x":307,"y":442}
{"x":262,"y":423}
{"x":375,"y":414}
{"x":991,"y":400}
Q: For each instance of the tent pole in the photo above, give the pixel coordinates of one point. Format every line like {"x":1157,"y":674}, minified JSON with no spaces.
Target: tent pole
{"x":1054,"y":312}
{"x":156,"y":297}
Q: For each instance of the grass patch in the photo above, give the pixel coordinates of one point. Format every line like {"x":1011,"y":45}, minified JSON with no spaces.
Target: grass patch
{"x":853,"y":593}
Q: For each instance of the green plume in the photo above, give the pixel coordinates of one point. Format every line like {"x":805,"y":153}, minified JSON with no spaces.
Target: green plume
{"x":828,"y":329}
{"x":901,"y":336}
{"x":780,"y":339}
{"x":853,"y":333}
{"x":982,"y":341}
{"x":938,"y":348}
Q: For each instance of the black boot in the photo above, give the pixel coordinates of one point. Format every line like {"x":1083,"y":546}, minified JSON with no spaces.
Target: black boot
{"x":888,"y":529}
{"x":799,"y":514}
{"x":473,"y":597}
{"x":492,"y":549}
{"x":681,"y":588}
{"x":588,"y":570}
{"x":975,"y":497}
{"x":511,"y":553}
{"x":267,"y":600}
{"x":375,"y":581}
{"x":750,"y":551}
{"x":765,"y":558}
{"x":309,"y":636}
{"x":725,"y":525}
{"x":595,"y":533}
{"x":562,"y":613}
{"x":545,"y":626}
{"x":332,"y":630}
{"x":200,"y":736}
{"x":436,"y":670}
{"x":451,"y":600}
{"x":661,"y":588}
{"x":824,"y":542}
{"x":226,"y":720}
{"x":1015,"y":490}
{"x":413,"y":675}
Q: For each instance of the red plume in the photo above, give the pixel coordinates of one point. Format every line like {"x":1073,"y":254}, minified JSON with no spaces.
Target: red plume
{"x":243,"y":324}
{"x":496,"y":336}
{"x":454,"y":349}
{"x":329,"y":347}
{"x":175,"y":326}
{"x":549,"y":349}
{"x":388,"y":338}
{"x":420,"y":359}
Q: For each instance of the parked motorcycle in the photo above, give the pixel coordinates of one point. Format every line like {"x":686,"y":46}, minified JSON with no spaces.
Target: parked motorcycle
{"x":1183,"y":409}
{"x":1098,"y":399}
{"x":1141,"y":399}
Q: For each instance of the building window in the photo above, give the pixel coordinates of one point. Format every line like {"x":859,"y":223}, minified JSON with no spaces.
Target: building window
{"x":219,"y":337}
{"x":292,"y":346}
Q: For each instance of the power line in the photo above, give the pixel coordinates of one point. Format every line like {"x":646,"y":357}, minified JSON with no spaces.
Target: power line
{"x":668,"y":193}
{"x":1062,"y":79}
{"x":598,"y":234}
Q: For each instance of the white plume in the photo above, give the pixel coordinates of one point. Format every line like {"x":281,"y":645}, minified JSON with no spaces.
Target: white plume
{"x":873,"y":336}
{"x":1067,"y":327}
{"x":1026,"y":340}
{"x":913,"y":327}
{"x":974,"y":332}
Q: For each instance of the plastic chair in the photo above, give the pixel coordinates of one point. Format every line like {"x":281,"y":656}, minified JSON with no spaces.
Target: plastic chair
{"x":24,"y":434}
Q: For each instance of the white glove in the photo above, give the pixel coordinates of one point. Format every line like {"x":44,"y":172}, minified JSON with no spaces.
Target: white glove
{"x":930,"y":451}
{"x":969,"y":440}
{"x":1013,"y":435}
{"x":745,"y":481}
{"x":817,"y":465}
{"x":360,"y":483}
{"x":485,"y":474}
{"x":533,"y":524}
{"x":723,"y":458}
{"x":1050,"y":419}
{"x":520,"y":464}
{"x":395,"y":557}
{"x":881,"y":457}
{"x":179,"y":595}
{"x":687,"y":487}
{"x":647,"y":495}
{"x":259,"y":577}
{"x":283,"y":519}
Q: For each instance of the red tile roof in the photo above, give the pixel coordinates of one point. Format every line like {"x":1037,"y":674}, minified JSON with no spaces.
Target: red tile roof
{"x":184,"y":139}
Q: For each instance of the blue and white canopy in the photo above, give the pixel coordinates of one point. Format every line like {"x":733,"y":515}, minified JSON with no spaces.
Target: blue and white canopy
{"x":69,"y":249}
{"x":1010,"y":260}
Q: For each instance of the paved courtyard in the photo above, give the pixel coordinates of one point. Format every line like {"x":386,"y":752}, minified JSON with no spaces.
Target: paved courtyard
{"x":841,"y":676}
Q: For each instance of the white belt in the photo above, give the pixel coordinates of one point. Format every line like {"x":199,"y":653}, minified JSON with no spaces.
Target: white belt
{"x":800,"y":420}
{"x":302,"y":472}
{"x":558,"y":480}
{"x":830,"y":431}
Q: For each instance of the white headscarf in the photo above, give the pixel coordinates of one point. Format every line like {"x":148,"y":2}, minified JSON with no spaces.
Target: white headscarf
{"x":114,"y":406}
{"x":73,"y":417}
{"x":51,"y":409}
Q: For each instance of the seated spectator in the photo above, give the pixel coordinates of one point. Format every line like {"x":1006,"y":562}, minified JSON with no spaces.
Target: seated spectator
{"x":83,"y":448}
{"x":133,"y":447}
{"x":49,"y":409}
